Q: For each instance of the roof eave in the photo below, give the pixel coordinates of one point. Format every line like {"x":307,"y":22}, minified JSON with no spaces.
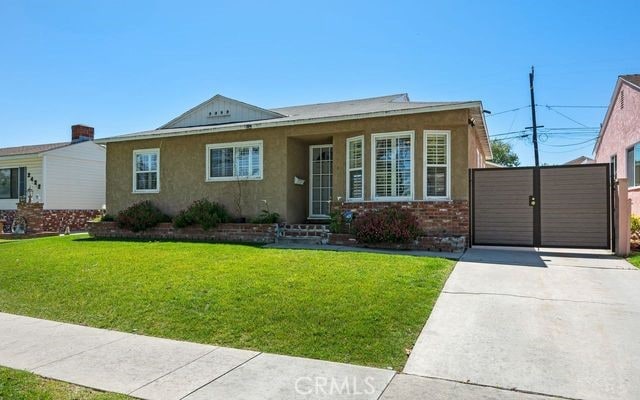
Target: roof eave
{"x":271,"y":123}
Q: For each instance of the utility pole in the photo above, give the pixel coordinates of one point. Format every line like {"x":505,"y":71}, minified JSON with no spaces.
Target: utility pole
{"x":533,"y":119}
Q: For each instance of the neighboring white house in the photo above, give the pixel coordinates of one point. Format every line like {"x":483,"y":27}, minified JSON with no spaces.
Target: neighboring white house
{"x":66,"y":179}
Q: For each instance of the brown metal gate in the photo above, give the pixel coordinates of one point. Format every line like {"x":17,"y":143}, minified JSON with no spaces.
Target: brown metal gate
{"x":560,"y":206}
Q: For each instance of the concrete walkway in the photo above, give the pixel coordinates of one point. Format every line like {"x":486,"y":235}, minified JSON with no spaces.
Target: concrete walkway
{"x":154,"y":368}
{"x":564,"y":323}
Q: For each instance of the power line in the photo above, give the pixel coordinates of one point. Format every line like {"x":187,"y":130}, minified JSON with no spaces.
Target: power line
{"x":556,"y":106}
{"x":571,"y":144}
{"x":565,"y":115}
{"x":506,"y":111}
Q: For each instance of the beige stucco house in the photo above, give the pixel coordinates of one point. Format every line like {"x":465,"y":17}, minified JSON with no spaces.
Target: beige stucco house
{"x":305,"y":159}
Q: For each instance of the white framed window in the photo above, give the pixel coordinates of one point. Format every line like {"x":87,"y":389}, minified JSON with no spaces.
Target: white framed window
{"x":232,"y":161}
{"x":437,"y":164}
{"x":13,"y":183}
{"x":355,"y":168}
{"x":392,"y":166}
{"x":146,"y":171}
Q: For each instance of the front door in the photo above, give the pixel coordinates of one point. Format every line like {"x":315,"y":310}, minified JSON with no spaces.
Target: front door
{"x":321,"y":180}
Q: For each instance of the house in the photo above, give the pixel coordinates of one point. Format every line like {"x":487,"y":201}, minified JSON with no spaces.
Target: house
{"x":53,"y":186}
{"x":305,"y":160}
{"x":619,"y":139}
{"x":580,"y":160}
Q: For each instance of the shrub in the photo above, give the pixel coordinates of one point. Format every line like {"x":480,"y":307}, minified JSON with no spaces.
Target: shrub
{"x":140,"y":216}
{"x":388,"y":225}
{"x":266,"y":217}
{"x":107,"y":218}
{"x":203,"y":212}
{"x":635,"y":224}
{"x":340,"y":222}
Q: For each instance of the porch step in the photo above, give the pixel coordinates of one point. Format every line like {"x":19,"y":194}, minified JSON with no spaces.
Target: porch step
{"x":305,"y":230}
{"x":302,"y":240}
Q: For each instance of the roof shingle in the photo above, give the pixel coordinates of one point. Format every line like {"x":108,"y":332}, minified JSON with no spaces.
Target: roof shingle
{"x":34,"y":149}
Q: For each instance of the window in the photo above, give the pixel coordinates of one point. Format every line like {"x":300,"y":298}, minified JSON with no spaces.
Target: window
{"x":355,"y":168}
{"x":230,"y":161}
{"x":392,"y":166}
{"x":614,"y":167}
{"x":633,"y":165}
{"x":437,"y":174}
{"x":146,"y":171}
{"x":13,"y":183}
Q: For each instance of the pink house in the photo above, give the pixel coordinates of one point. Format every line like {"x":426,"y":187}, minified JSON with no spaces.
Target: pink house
{"x":619,"y":139}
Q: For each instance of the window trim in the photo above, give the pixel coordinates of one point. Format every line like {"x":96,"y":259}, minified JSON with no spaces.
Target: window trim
{"x":631,"y":183}
{"x":375,"y":136}
{"x":447,"y":134}
{"x":233,"y":145}
{"x":348,"y":169}
{"x":155,"y":151}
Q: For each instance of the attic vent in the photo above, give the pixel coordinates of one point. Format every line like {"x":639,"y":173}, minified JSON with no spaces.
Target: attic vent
{"x":622,"y":99}
{"x":219,"y":113}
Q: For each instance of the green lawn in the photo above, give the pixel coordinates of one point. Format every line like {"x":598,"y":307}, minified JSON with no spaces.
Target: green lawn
{"x":349,"y":307}
{"x":20,"y":385}
{"x":634,"y":259}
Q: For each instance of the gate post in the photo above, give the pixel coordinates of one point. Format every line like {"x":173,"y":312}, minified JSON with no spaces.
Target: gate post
{"x":622,"y":218}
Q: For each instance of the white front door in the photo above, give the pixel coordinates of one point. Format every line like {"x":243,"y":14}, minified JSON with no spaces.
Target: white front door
{"x":321,"y":180}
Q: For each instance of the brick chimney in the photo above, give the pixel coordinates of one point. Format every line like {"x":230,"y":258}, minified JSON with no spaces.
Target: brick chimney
{"x":81,"y":132}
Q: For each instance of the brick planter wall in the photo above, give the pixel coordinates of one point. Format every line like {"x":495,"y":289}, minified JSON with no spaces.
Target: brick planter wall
{"x":445,"y":224}
{"x":40,"y":220}
{"x":241,"y":233}
{"x":451,"y":244}
{"x":448,"y":218}
{"x":59,"y":220}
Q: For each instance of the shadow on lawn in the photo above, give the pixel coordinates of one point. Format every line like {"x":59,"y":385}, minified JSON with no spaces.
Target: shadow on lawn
{"x":136,"y":240}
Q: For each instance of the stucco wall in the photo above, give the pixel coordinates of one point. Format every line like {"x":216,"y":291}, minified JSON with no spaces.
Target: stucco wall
{"x":621,"y":132}
{"x":183,"y":164}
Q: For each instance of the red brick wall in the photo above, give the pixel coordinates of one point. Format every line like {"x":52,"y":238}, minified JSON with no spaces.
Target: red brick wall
{"x":39,"y":220}
{"x":59,"y":220}
{"x":32,"y":213}
{"x":434,"y":217}
{"x":247,"y":233}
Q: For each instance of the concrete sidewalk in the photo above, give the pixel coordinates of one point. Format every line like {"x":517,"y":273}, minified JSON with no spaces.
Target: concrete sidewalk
{"x":557,"y":322}
{"x":154,"y":368}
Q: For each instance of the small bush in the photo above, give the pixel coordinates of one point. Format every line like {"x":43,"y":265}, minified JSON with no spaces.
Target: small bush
{"x":341,"y":222}
{"x":140,"y":216}
{"x":107,"y":218}
{"x":266,"y":217}
{"x":388,"y":225}
{"x":203,"y":212}
{"x":635,"y":224}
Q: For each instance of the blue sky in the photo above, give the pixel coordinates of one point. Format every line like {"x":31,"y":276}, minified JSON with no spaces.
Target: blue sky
{"x":129,"y":66}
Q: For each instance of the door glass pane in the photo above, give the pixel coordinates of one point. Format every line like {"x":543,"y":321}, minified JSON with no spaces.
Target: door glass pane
{"x":321,"y":180}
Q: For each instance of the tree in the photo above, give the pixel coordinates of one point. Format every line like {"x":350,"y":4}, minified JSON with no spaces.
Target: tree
{"x":503,"y":154}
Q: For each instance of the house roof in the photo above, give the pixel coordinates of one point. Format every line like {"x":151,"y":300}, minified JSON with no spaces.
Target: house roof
{"x":633,"y":81}
{"x":396,"y":104}
{"x":33,"y":149}
{"x":580,"y":160}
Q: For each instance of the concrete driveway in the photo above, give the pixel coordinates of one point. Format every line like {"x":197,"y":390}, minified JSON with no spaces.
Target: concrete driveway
{"x":557,"y":322}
